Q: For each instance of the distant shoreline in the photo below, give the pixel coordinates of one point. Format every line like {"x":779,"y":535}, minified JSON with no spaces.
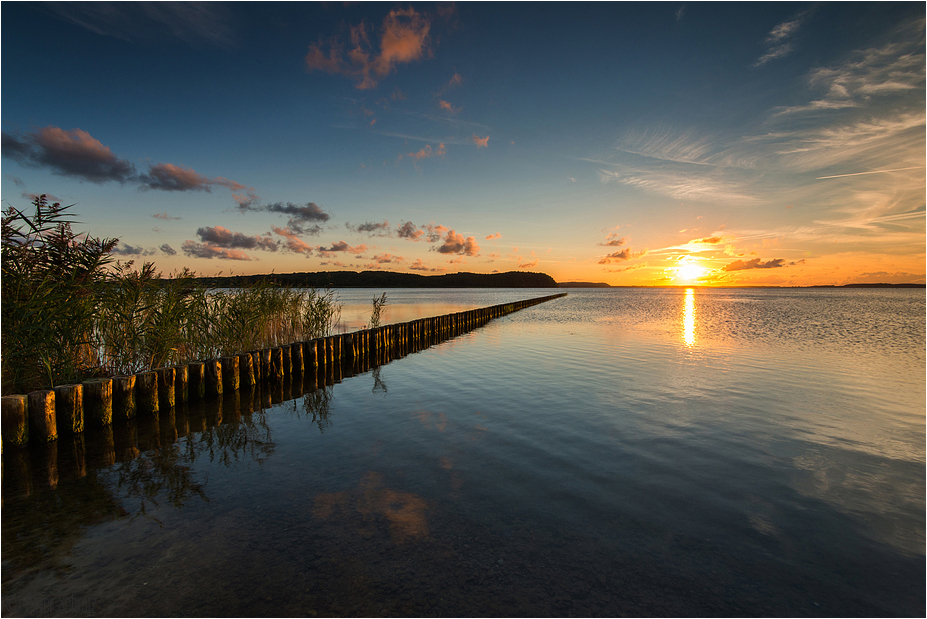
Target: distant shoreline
{"x":604,"y":285}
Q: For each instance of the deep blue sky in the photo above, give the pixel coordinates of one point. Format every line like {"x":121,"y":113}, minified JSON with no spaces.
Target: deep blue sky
{"x":628,"y":143}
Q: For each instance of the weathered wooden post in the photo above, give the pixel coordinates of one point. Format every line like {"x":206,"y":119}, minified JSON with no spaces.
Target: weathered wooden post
{"x":213,"y":371}
{"x":181,"y":383}
{"x":256,"y":366}
{"x":15,"y":426}
{"x":286,"y":360}
{"x":69,"y":409}
{"x":267,"y":366}
{"x":146,"y":392}
{"x":336,"y":348}
{"x":296,"y":358}
{"x":166,"y":392}
{"x":246,"y":371}
{"x":98,"y":402}
{"x":196,"y":374}
{"x":42,"y":427}
{"x":310,"y":350}
{"x":230,"y":376}
{"x":124,"y":397}
{"x":320,"y":352}
{"x":276,"y":364}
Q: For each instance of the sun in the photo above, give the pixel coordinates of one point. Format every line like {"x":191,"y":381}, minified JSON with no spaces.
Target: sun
{"x":688,"y":271}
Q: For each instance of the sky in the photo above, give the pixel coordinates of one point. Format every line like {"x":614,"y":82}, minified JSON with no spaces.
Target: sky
{"x":633,"y":144}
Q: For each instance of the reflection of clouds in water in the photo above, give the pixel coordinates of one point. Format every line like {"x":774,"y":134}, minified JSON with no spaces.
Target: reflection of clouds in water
{"x":432,"y":421}
{"x":404,"y":511}
{"x":881,"y":498}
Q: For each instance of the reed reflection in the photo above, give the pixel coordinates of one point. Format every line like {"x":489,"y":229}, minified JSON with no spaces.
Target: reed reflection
{"x":688,"y":318}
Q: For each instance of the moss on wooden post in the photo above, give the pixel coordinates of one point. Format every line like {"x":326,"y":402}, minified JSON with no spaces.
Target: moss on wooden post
{"x":42,"y":426}
{"x":15,"y":426}
{"x":98,"y":402}
{"x":69,"y":409}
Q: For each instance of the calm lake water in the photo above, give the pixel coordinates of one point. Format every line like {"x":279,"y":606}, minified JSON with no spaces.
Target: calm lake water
{"x":613,"y":452}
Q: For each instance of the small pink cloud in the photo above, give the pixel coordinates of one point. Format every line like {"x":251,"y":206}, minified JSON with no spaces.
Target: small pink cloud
{"x":494,"y":236}
{"x":480,"y":142}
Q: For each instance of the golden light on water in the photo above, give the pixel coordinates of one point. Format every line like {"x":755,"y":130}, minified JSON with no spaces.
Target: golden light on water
{"x":688,"y":318}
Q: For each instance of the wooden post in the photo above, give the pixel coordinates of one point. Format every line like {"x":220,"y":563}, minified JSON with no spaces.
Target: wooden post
{"x":42,"y":427}
{"x":256,"y":366}
{"x":196,"y":377}
{"x":98,"y":402}
{"x":311,"y":352}
{"x":267,"y":368}
{"x":276,"y":364}
{"x":246,"y":370}
{"x":181,"y":383}
{"x":230,"y":376}
{"x":166,"y":391}
{"x":124,"y":397}
{"x":69,"y":409}
{"x":15,"y":427}
{"x":146,"y":392}
{"x":296,"y":358}
{"x":286,"y":360}
{"x":213,"y":371}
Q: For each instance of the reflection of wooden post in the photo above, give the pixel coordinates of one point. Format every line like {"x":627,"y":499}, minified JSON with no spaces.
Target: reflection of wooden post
{"x":230,"y":378}
{"x":124,"y":397}
{"x":146,"y":392}
{"x":98,"y":402}
{"x":49,"y":453}
{"x":42,"y":427}
{"x":166,"y":393}
{"x":105,"y":453}
{"x":181,"y":384}
{"x":125,"y":441}
{"x":196,"y":373}
{"x":213,"y":378}
{"x":15,"y":428}
{"x":69,"y":409}
{"x":79,"y":454}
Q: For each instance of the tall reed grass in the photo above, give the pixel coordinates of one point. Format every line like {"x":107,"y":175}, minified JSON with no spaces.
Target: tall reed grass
{"x":70,"y":312}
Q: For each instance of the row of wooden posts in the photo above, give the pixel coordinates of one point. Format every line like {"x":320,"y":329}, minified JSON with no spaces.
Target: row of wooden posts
{"x":40,"y":416}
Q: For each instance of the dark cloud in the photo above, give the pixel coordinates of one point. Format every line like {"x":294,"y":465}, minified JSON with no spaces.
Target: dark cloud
{"x":202,"y":250}
{"x":164,"y":216}
{"x":409,"y":230}
{"x":711,"y":240}
{"x":456,"y":244}
{"x":68,"y":153}
{"x":223,"y":237}
{"x":371,"y":228}
{"x":756,"y":263}
{"x":300,"y":216}
{"x":612,"y":240}
{"x":621,"y":256}
{"x":341,"y":246}
{"x":167,"y":249}
{"x":124,"y":249}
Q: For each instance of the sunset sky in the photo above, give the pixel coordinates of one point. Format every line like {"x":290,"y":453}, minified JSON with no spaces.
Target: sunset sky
{"x":633,"y":144}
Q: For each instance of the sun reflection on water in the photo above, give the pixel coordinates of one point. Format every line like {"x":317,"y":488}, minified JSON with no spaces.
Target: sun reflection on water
{"x":688,"y":318}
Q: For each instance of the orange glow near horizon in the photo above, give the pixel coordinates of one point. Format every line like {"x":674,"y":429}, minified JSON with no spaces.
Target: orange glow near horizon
{"x":688,"y":271}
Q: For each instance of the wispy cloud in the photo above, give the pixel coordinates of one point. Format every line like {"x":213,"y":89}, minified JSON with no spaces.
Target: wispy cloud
{"x":480,"y":142}
{"x":165,"y":216}
{"x":778,"y":42}
{"x":447,"y":107}
{"x":194,"y":23}
{"x":302,"y":219}
{"x":220,"y":236}
{"x":203,"y":250}
{"x":370,"y":228}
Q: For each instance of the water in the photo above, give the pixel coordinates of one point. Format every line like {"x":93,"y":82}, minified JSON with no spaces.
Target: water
{"x":614,"y":452}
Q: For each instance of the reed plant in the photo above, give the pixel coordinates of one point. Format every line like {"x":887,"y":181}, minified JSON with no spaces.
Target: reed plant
{"x":70,"y":312}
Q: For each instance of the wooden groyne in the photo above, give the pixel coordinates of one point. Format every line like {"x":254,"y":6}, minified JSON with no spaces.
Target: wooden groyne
{"x":44,"y":415}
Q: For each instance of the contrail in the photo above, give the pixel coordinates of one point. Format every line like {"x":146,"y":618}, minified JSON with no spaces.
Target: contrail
{"x":873,"y":172}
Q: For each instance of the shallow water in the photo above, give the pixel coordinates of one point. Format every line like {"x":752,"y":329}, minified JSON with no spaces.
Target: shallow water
{"x":613,"y":452}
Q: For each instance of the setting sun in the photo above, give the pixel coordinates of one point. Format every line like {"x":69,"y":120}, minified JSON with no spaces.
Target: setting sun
{"x":689,"y":272}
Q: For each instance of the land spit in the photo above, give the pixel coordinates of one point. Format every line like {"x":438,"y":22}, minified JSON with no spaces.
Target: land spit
{"x":42,"y":415}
